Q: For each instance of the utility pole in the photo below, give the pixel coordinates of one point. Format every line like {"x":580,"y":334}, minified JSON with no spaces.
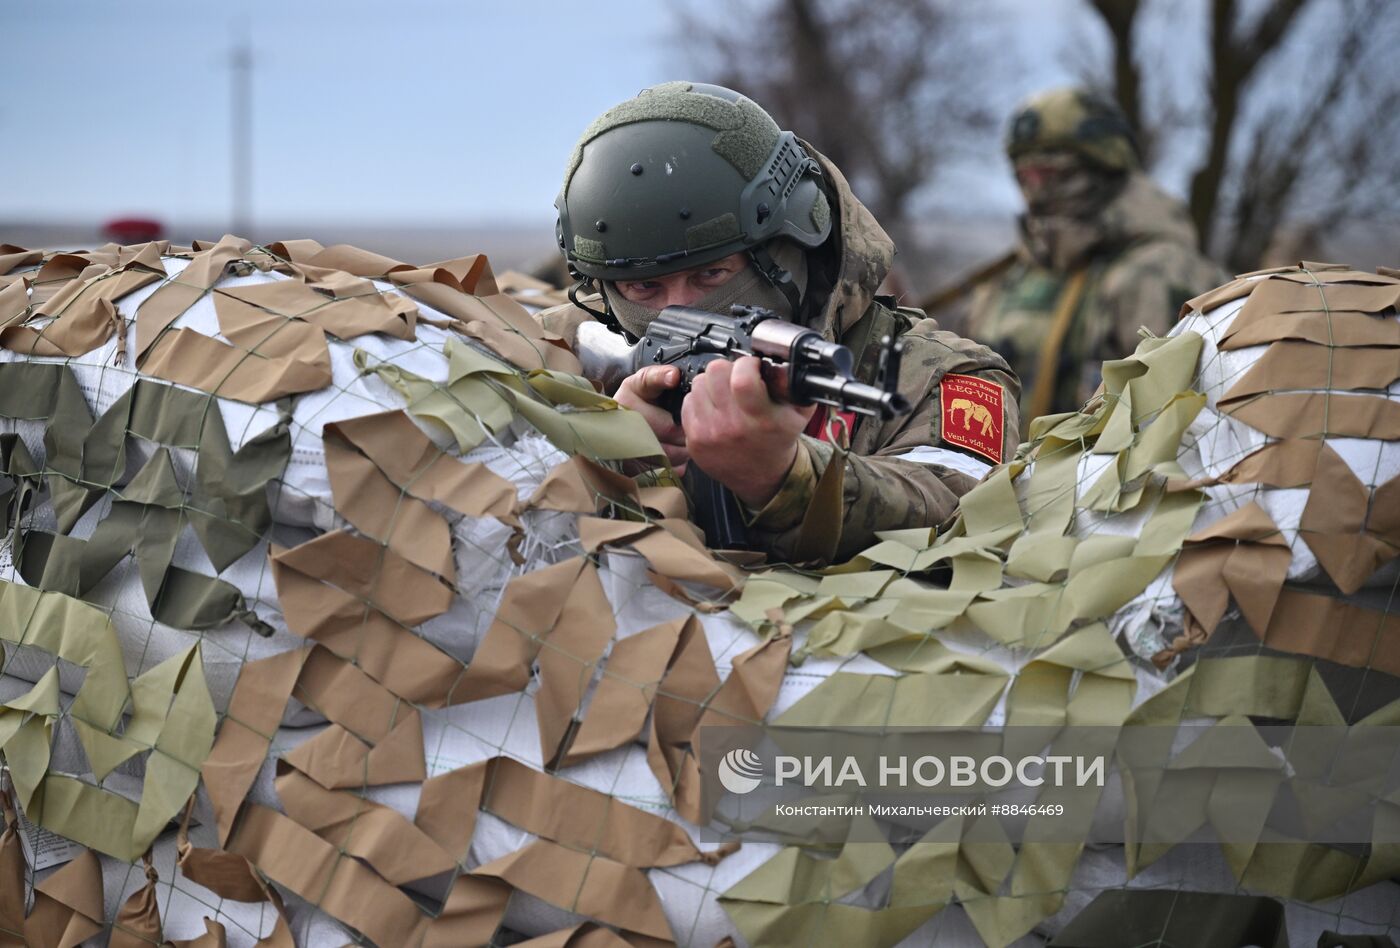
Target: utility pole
{"x":241,"y":132}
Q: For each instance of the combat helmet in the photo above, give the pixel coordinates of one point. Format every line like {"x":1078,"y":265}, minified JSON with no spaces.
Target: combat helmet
{"x":1077,"y":120}
{"x":682,"y":175}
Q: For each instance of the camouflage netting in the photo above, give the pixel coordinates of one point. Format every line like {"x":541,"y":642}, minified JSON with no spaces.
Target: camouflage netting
{"x":328,"y":616}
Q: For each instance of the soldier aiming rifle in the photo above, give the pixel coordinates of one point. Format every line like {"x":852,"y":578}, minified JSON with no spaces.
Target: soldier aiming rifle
{"x":691,"y":195}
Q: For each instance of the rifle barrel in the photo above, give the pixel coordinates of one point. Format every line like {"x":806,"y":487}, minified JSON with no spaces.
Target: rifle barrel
{"x":851,"y":395}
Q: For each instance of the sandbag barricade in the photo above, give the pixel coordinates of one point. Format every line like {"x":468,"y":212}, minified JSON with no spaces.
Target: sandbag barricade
{"x":328,"y":614}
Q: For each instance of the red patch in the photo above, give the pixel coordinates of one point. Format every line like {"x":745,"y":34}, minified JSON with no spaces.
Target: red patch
{"x":972,"y":415}
{"x":817,"y":427}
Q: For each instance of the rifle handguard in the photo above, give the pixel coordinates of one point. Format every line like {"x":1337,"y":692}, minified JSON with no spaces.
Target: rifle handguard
{"x":799,"y":365}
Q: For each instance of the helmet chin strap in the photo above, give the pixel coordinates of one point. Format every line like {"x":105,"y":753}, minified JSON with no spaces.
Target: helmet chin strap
{"x":606,"y":316}
{"x":778,"y":277}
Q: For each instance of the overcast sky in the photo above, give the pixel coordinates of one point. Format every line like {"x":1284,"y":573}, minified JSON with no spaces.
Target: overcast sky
{"x":432,"y":112}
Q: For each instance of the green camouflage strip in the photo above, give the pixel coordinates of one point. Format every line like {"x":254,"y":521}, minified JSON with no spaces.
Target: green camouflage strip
{"x":226,"y":504}
{"x":172,"y":720}
{"x":1157,"y":917}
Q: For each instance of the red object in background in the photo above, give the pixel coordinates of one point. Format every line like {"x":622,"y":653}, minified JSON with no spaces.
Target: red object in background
{"x":133,"y":230}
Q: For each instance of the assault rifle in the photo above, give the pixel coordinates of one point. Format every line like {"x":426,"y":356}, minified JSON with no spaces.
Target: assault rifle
{"x":799,"y":366}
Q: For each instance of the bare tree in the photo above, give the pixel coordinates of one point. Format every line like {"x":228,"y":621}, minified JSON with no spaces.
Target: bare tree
{"x":1289,"y":119}
{"x":1120,"y":16}
{"x":884,"y":88}
{"x":1299,"y":114}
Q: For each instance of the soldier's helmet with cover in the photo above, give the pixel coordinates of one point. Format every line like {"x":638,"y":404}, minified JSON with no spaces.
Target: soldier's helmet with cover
{"x":1076,"y":120}
{"x":682,"y":175}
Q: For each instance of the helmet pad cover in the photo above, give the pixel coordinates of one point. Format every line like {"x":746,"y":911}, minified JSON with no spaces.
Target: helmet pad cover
{"x":1078,"y":120}
{"x":682,"y":175}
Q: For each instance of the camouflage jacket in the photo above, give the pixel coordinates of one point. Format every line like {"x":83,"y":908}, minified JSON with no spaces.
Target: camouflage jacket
{"x":1132,"y":266}
{"x":906,"y":472}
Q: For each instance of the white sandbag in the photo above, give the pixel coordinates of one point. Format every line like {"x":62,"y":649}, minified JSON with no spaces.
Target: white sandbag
{"x":459,"y":736}
{"x":300,"y":498}
{"x":1213,"y":444}
{"x":1216,"y":441}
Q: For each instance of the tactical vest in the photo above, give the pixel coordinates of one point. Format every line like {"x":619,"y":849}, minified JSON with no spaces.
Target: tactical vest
{"x":1043,"y":321}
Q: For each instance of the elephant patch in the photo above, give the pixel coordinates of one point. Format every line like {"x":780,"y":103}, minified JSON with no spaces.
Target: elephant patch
{"x":972,"y":415}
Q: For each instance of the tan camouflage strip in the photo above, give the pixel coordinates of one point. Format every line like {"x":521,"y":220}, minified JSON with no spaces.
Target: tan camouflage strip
{"x":169,"y":302}
{"x":68,"y":906}
{"x":81,"y":315}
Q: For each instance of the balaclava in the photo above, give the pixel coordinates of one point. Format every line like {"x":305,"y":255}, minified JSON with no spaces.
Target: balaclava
{"x":1062,"y":206}
{"x":748,"y":287}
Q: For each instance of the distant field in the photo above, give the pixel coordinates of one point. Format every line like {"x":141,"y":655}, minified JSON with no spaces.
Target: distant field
{"x":949,"y":248}
{"x":510,"y":247}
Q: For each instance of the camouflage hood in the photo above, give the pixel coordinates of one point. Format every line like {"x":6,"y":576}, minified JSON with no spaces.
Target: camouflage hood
{"x":1140,"y":213}
{"x":855,"y":263}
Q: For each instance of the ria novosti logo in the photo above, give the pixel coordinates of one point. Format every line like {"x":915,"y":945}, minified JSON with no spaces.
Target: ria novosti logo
{"x":740,"y":771}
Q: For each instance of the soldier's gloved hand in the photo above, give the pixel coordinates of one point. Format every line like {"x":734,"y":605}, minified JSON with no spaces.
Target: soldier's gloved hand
{"x":639,"y":392}
{"x":737,"y":434}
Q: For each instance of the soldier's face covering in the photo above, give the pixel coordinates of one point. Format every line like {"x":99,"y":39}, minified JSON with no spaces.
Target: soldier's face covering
{"x":1062,"y":184}
{"x":637,"y":304}
{"x":1064,"y":194}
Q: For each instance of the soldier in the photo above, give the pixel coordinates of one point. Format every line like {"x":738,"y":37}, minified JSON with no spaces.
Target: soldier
{"x":1103,"y":251}
{"x":691,"y":194}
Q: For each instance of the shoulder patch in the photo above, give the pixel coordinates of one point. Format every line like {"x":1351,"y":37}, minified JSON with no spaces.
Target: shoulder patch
{"x":973,"y":414}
